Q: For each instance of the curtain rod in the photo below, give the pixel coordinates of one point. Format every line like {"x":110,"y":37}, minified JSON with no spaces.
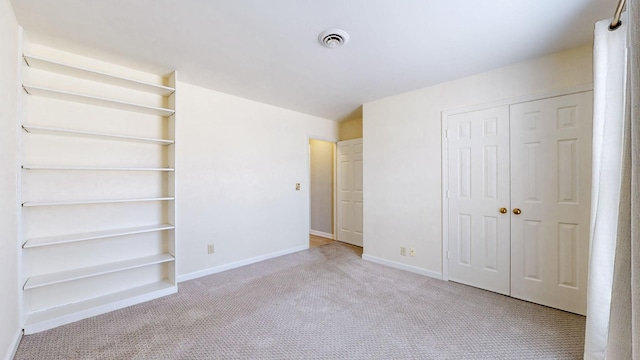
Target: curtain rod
{"x":616,"y":17}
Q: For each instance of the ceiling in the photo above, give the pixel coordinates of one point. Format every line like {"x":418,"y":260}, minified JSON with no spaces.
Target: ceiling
{"x":267,"y":50}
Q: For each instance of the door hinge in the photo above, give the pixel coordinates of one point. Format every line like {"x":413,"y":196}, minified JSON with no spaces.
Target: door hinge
{"x":447,"y":133}
{"x":448,"y":194}
{"x":447,"y":254}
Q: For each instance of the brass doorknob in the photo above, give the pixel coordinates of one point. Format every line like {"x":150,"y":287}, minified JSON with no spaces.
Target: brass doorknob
{"x":503,"y":210}
{"x":517,"y":211}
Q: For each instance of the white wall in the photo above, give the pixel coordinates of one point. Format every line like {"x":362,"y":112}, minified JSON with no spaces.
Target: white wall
{"x":9,"y":291}
{"x":402,"y":151}
{"x":321,"y":185}
{"x":237,"y":163}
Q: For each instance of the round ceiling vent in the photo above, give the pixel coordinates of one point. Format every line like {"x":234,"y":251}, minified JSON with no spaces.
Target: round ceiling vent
{"x":333,"y":38}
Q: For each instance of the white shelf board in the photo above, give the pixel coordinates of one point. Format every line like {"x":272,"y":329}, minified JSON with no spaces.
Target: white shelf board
{"x":91,"y":271}
{"x":88,"y":202}
{"x":50,"y":318}
{"x":92,"y":168}
{"x":93,"y":100}
{"x":69,"y":238}
{"x":37,"y":129}
{"x":80,"y":72}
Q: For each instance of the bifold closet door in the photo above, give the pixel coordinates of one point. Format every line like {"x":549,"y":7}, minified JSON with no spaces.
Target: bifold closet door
{"x":550,"y":197}
{"x":478,"y":151}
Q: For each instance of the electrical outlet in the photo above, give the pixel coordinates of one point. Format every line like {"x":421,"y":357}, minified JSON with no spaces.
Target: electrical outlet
{"x":210,"y":249}
{"x":412,"y":252}
{"x":403,"y":251}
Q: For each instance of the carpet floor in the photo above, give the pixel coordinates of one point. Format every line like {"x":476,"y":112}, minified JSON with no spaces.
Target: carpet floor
{"x":322,"y":303}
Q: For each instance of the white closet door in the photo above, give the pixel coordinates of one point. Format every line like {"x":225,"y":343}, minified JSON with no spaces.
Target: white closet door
{"x":478,"y":151}
{"x":350,"y":202}
{"x":551,"y":175}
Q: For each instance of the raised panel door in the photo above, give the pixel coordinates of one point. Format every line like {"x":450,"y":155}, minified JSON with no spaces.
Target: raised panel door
{"x":551,"y":175}
{"x":350,"y":199}
{"x":479,"y":249}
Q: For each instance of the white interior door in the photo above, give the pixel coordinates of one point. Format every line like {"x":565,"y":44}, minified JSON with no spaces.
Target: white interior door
{"x":350,"y":205}
{"x":478,"y":151}
{"x":551,"y":186}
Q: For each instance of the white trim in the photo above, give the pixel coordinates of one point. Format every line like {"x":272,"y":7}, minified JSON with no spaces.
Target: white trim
{"x":335,"y":190}
{"x":322,"y":234}
{"x":519,"y":99}
{"x":445,"y":199}
{"x":66,"y":314}
{"x":237,"y":264}
{"x":16,"y":343}
{"x":22,"y":308}
{"x":444,"y":115}
{"x":334,"y":142}
{"x":400,"y":266}
{"x":321,"y":138}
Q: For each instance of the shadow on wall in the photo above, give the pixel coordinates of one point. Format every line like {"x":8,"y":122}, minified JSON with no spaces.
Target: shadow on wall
{"x":351,"y":126}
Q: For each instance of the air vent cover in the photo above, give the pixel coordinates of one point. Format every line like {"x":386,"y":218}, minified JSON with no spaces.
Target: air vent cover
{"x":333,"y":38}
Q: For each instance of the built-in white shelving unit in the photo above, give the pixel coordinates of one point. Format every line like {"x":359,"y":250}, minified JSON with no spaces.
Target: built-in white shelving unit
{"x":43,"y":320}
{"x":90,"y":271}
{"x":35,"y":129}
{"x":88,"y":249}
{"x":88,"y":202}
{"x":88,"y":74}
{"x":69,"y":238}
{"x":94,"y":100}
{"x":89,"y":168}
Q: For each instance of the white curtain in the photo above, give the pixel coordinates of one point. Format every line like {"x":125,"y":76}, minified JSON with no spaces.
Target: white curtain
{"x":613,"y":303}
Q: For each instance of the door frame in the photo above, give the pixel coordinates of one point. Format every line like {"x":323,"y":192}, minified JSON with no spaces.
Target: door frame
{"x":334,"y":160}
{"x":444,"y":117}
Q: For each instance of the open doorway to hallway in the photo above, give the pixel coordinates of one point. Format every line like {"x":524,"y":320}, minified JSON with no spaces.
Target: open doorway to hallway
{"x":322,"y":192}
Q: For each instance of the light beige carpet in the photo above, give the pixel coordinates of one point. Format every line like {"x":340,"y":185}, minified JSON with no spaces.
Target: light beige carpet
{"x":323,"y":303}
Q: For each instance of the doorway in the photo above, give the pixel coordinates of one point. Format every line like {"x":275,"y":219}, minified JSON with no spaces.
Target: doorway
{"x":321,"y":192}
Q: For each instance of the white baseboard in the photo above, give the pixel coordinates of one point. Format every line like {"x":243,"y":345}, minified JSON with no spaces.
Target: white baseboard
{"x":322,"y":234}
{"x":401,"y":266}
{"x":16,"y":343}
{"x":57,"y":316}
{"x":237,"y":264}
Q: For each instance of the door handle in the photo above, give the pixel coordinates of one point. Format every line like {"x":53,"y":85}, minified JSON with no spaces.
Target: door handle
{"x":517,"y":211}
{"x":503,"y":210}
